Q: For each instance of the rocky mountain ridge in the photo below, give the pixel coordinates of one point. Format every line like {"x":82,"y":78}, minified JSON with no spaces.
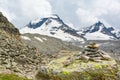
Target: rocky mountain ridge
{"x":99,"y":31}
{"x":52,"y":26}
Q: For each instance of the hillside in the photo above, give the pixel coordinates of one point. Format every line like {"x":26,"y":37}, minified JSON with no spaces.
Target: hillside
{"x":46,"y":44}
{"x":16,"y":56}
{"x":91,"y":63}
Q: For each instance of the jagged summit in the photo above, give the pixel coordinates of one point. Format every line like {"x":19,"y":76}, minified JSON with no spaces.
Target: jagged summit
{"x":52,"y":26}
{"x":40,"y":21}
{"x":99,"y":31}
{"x":99,"y":26}
{"x":99,"y":23}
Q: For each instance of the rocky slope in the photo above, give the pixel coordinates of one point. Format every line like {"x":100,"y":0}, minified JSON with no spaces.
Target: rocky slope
{"x":46,"y":44}
{"x":76,"y":67}
{"x":16,"y":56}
{"x":22,"y":59}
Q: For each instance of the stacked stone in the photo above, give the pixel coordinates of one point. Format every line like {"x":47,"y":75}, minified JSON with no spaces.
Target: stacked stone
{"x":92,"y":52}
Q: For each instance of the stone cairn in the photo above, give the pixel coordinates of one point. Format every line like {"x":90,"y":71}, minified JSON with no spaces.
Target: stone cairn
{"x":93,"y":53}
{"x":90,"y":53}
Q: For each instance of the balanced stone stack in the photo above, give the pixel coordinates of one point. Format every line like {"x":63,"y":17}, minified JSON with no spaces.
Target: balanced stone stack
{"x":93,"y":53}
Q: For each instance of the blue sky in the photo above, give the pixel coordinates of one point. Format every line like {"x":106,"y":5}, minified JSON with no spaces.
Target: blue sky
{"x":77,"y":13}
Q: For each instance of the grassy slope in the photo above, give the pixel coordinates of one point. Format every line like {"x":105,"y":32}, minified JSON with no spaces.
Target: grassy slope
{"x":11,"y":77}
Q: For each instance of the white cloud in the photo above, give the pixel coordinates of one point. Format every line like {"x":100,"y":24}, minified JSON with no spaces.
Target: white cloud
{"x":5,"y":10}
{"x":78,"y":12}
{"x":33,"y":8}
{"x":86,"y":18}
{"x":94,"y":10}
{"x":20,"y":12}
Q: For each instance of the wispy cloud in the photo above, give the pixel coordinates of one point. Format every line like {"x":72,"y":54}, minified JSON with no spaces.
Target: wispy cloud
{"x":20,"y":12}
{"x":92,"y":11}
{"x":78,"y":12}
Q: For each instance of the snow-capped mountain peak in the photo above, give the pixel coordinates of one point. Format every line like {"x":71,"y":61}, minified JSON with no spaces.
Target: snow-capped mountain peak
{"x":38,"y":22}
{"x":99,"y":31}
{"x":52,"y":26}
{"x":99,"y":26}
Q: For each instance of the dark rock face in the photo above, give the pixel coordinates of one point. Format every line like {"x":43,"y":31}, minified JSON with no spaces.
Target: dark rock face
{"x":15,"y":55}
{"x":34,"y":26}
{"x":3,"y":19}
{"x":9,"y":28}
{"x":13,"y":32}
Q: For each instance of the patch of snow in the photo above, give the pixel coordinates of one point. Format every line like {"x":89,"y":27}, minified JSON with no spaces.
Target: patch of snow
{"x":39,"y":39}
{"x":97,"y":36}
{"x":71,"y":25}
{"x":46,"y":31}
{"x":44,"y":39}
{"x":25,"y":37}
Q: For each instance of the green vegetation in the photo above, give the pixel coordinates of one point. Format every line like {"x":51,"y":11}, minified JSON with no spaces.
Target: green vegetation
{"x":70,"y":68}
{"x":11,"y":77}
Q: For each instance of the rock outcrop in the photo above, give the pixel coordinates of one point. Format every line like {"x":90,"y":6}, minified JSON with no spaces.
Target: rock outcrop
{"x":75,"y":67}
{"x":8,"y":27}
{"x":16,"y":56}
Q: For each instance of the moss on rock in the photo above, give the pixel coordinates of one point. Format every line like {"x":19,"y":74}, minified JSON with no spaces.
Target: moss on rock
{"x":11,"y":77}
{"x":77,"y":70}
